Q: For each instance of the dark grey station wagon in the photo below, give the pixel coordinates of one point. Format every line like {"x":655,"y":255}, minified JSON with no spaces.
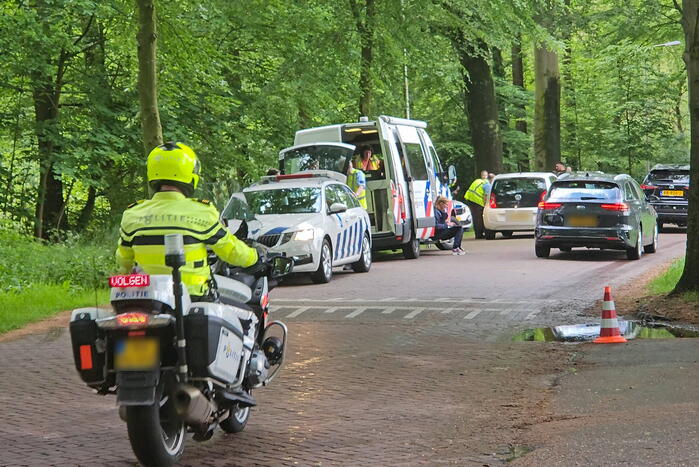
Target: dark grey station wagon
{"x":596,"y":210}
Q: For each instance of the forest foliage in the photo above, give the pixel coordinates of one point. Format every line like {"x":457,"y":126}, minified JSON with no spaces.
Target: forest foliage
{"x":238,"y":78}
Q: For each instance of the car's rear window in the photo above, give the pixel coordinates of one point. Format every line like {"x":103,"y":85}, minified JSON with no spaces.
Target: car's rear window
{"x":520,"y":192}
{"x":584,"y":190}
{"x":676,"y":176}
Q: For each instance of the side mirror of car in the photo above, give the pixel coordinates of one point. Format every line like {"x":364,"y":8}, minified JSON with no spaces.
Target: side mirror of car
{"x":337,"y":208}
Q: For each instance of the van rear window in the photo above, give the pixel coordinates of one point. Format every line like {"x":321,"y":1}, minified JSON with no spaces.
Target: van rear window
{"x":416,"y":160}
{"x":584,"y":190}
{"x":670,"y":176}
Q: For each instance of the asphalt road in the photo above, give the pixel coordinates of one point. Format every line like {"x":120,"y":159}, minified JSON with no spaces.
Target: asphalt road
{"x":408,"y":364}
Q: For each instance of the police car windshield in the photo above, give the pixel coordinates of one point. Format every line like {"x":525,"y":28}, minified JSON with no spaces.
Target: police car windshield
{"x":284,"y":201}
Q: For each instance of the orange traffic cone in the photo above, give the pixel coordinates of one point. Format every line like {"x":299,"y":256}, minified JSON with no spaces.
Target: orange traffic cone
{"x":609,"y":328}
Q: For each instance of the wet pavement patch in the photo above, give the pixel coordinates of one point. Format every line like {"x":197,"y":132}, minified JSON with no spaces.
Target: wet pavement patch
{"x":589,"y":332}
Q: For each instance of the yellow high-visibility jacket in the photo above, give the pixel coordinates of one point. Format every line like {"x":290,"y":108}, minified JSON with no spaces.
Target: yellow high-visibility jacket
{"x":145,"y":224}
{"x":476,"y":192}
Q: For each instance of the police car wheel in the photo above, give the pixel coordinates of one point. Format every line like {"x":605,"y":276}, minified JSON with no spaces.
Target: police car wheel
{"x":324,"y":273}
{"x":364,"y":262}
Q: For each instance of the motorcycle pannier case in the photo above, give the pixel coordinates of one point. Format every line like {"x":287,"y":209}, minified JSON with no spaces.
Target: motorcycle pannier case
{"x":220,"y":339}
{"x":88,"y":345}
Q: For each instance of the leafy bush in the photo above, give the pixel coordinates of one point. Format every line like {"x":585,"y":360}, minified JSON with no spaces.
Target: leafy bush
{"x":75,"y":263}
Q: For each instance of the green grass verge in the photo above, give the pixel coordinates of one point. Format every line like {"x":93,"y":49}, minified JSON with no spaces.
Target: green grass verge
{"x":665,"y":282}
{"x":43,"y":300}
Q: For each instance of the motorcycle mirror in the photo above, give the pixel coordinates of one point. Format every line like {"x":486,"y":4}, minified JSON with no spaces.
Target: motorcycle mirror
{"x":282,"y":266}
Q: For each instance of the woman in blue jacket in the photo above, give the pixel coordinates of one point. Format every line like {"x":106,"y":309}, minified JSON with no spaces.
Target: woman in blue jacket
{"x":446,"y":229}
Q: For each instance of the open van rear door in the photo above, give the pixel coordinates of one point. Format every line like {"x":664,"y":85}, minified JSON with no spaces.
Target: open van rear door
{"x":419,"y":181}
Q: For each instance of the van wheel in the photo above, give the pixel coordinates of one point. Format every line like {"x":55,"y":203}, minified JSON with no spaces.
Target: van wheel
{"x":411,"y":250}
{"x":364,"y":262}
{"x":489,"y":234}
{"x":445,"y":245}
{"x":325,"y":269}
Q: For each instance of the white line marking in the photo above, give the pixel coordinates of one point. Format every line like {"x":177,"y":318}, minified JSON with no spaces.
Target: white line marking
{"x":332,"y":309}
{"x":388,"y":299}
{"x":505,"y":311}
{"x":294,"y":314}
{"x":532,"y":314}
{"x":388,"y":311}
{"x":442,"y":299}
{"x":414,"y":313}
{"x":356,"y":312}
{"x":473,"y":314}
{"x":447,"y":310}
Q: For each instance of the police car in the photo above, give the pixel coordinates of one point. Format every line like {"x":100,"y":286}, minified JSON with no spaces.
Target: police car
{"x":312,"y":216}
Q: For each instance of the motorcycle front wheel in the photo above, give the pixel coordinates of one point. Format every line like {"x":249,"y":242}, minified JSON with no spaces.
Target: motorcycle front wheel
{"x":155,"y":431}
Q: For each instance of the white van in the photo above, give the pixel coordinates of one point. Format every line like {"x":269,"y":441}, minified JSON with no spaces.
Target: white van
{"x":401,"y":193}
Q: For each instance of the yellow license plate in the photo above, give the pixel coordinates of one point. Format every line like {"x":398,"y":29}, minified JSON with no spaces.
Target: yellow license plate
{"x":520,"y":216}
{"x":672,"y":193}
{"x":582,"y":221}
{"x":136,"y":354}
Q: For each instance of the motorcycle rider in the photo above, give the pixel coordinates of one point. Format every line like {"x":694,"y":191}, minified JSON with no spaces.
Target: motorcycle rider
{"x":173,"y":174}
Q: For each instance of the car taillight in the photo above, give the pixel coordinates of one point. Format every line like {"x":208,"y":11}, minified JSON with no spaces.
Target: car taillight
{"x":493,"y":202}
{"x":649,"y":187}
{"x":544,"y":206}
{"x":619,"y":207}
{"x":543,"y":195}
{"x":132,"y":320}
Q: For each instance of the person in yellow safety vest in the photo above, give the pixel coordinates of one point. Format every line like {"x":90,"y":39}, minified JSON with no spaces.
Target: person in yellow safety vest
{"x":356,"y":180}
{"x":173,"y":174}
{"x":367,"y":160}
{"x":475,"y":199}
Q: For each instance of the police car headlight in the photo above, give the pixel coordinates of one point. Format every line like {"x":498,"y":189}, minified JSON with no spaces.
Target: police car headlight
{"x":304,"y":235}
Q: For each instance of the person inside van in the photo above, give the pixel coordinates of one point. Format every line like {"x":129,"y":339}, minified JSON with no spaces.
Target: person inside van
{"x":367,"y":160}
{"x":445,"y":228}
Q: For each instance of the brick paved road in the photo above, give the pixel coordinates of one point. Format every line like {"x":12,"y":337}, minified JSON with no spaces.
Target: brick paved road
{"x":420,"y":380}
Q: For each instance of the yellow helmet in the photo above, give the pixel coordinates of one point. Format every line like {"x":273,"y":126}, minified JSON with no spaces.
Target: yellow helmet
{"x":173,"y":164}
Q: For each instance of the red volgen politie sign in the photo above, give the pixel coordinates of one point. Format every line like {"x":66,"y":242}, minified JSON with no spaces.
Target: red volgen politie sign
{"x":132,"y":280}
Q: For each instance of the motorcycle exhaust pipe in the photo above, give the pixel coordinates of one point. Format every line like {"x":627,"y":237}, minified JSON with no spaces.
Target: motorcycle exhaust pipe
{"x":192,"y":405}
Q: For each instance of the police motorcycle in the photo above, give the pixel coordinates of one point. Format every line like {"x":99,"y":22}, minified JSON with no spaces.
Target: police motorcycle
{"x":177,"y":366}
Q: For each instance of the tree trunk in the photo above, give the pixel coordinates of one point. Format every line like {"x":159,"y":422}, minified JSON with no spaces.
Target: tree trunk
{"x":518,"y":80}
{"x":482,"y":108}
{"x":49,"y":202}
{"x":364,"y":23}
{"x":87,"y":210}
{"x":547,"y":109}
{"x":689,"y":281}
{"x":147,"y":38}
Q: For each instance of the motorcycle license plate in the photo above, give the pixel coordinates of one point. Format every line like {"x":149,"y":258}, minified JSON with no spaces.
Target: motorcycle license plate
{"x":136,"y":354}
{"x":672,"y":193}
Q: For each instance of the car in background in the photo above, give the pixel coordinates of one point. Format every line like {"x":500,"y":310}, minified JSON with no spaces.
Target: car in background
{"x":596,"y":210}
{"x":667,"y":188}
{"x":513,"y":202}
{"x":311,"y":216}
{"x":463,"y":215}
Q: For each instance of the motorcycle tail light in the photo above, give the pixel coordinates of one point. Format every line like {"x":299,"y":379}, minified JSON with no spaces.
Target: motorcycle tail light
{"x":264,"y":301}
{"x":86,"y":357}
{"x":132,"y":320}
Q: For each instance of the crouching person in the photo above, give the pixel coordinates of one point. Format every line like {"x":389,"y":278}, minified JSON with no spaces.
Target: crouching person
{"x":445,"y":228}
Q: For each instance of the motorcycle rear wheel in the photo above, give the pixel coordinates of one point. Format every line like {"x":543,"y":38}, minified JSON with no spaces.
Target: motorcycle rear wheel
{"x":236,"y":421}
{"x":156,"y":433}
